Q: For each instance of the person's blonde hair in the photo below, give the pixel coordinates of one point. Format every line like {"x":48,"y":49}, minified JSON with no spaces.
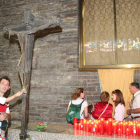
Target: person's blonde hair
{"x":77,"y":93}
{"x":104,"y":96}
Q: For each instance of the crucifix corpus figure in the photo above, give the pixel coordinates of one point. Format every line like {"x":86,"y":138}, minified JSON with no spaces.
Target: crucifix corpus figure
{"x":26,"y":33}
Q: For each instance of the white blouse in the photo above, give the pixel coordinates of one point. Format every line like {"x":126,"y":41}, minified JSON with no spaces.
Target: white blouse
{"x":119,"y":112}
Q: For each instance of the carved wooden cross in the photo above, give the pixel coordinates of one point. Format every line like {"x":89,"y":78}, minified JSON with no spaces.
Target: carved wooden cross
{"x":26,"y":33}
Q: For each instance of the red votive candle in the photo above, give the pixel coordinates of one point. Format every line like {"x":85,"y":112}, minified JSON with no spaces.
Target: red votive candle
{"x":124,"y":128}
{"x":127,"y":132}
{"x":114,"y":127}
{"x":74,"y":120}
{"x":130,"y":126}
{"x":110,"y":127}
{"x":119,"y":132}
{"x":134,"y":131}
{"x":81,"y":121}
{"x":126,"y":125}
{"x":107,"y":127}
{"x":98,"y":125}
{"x":84,"y":125}
{"x":102,"y":130}
{"x":138,"y":129}
{"x":81,"y":126}
{"x":75,"y":126}
{"x":87,"y":126}
{"x":95,"y":129}
{"x":92,"y":125}
{"x":120,"y":126}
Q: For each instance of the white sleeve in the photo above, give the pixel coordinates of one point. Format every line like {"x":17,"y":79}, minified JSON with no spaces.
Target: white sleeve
{"x":7,"y":109}
{"x":2,"y":100}
{"x":69,"y":102}
{"x":85,"y":104}
{"x":119,"y":112}
{"x":137,"y":100}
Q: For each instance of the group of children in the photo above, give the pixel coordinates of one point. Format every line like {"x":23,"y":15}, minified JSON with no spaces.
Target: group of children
{"x":102,"y":109}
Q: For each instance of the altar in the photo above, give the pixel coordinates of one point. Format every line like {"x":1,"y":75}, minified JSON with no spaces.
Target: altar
{"x":62,"y":132}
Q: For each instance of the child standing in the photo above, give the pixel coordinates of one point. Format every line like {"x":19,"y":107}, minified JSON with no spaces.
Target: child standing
{"x":118,"y":99}
{"x":77,"y":102}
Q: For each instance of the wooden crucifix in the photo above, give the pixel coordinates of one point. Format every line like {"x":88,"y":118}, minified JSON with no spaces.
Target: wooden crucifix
{"x":26,"y":34}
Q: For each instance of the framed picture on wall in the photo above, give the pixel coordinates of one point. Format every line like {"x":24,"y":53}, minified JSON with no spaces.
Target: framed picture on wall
{"x":109,"y":34}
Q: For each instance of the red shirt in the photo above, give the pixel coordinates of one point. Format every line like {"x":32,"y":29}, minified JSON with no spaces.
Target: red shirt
{"x":3,"y":108}
{"x":99,"y":108}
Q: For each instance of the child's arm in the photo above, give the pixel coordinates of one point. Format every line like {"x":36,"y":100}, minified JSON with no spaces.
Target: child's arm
{"x":86,"y":112}
{"x":19,"y":93}
{"x":92,"y":106}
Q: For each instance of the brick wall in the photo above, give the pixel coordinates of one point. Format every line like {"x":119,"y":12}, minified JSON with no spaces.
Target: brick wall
{"x":55,"y":74}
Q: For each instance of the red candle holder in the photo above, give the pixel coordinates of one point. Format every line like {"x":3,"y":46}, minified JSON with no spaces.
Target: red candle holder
{"x":84,"y":125}
{"x":119,"y":132}
{"x":95,"y":129}
{"x":127,"y":132}
{"x":75,"y":120}
{"x":107,"y":124}
{"x":138,"y":129}
{"x":114,"y":127}
{"x":81,"y":126}
{"x":81,"y":121}
{"x":92,"y":125}
{"x":110,"y":127}
{"x":124,"y":128}
{"x":134,"y":132}
{"x":102,"y":130}
{"x":75,"y":126}
{"x":130,"y":126}
{"x":87,"y":126}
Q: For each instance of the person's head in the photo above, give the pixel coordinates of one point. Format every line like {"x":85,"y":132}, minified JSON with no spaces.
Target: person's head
{"x":79,"y":93}
{"x":134,"y":87}
{"x":4,"y":84}
{"x":104,"y":96}
{"x":117,"y":97}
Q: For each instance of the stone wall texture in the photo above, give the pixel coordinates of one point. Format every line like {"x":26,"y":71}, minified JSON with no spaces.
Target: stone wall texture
{"x":55,"y":74}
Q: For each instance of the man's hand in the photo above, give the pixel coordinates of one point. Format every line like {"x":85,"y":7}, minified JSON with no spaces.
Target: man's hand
{"x":19,"y":93}
{"x":130,"y":104}
{"x":129,"y":112}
